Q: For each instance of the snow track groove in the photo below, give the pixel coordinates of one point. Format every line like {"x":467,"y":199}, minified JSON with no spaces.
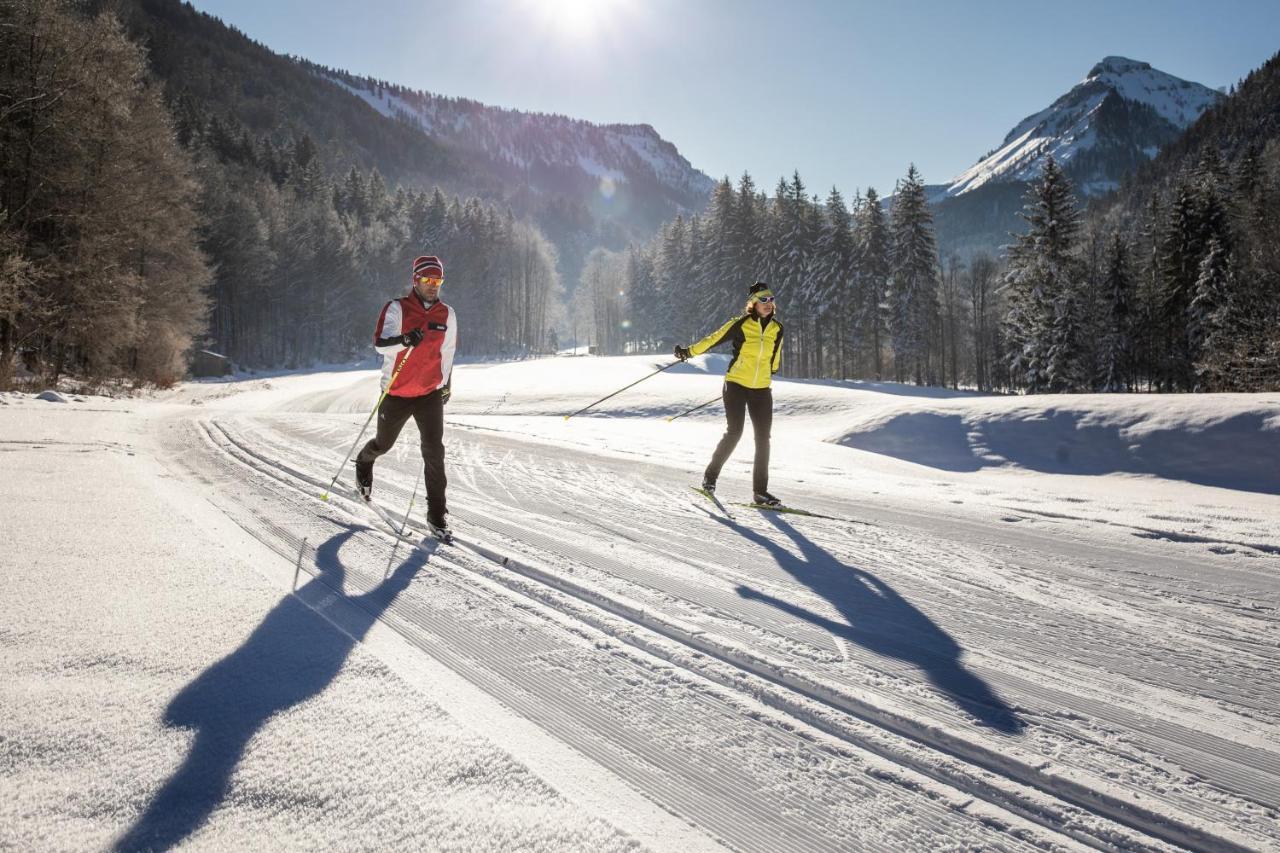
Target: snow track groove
{"x":732,"y":789}
{"x":1099,"y":732}
{"x":1158,"y":823}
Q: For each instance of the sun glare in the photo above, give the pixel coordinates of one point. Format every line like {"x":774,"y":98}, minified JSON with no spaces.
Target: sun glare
{"x":577,"y":19}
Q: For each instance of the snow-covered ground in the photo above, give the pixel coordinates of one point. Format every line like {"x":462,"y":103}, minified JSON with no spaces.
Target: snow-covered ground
{"x":1023,"y":623}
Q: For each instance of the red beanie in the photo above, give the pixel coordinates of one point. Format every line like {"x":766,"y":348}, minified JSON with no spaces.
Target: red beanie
{"x":427,"y":265}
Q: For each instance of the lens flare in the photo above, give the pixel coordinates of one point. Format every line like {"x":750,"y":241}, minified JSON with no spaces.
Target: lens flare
{"x":577,"y":19}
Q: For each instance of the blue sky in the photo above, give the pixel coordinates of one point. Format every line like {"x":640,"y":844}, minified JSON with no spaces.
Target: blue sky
{"x":848,"y":93}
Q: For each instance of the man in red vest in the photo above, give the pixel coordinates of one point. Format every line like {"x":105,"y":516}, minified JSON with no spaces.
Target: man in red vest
{"x":420,"y":332}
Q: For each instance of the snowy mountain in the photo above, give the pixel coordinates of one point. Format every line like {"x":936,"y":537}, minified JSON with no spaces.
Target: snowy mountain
{"x":584,"y":185}
{"x":551,"y":153}
{"x":1120,"y":115}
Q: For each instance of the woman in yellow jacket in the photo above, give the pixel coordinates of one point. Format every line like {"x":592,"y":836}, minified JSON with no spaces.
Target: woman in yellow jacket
{"x":756,"y":337}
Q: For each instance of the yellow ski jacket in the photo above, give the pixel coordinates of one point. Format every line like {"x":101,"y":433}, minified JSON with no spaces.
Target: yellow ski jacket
{"x":757,"y":349}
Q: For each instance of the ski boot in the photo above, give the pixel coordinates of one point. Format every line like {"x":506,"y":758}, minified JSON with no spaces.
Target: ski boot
{"x":364,"y":479}
{"x":439,"y":528}
{"x":765,"y":499}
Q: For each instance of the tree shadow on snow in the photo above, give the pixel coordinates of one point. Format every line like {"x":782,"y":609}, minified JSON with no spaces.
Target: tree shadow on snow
{"x":292,"y":656}
{"x":880,"y":620}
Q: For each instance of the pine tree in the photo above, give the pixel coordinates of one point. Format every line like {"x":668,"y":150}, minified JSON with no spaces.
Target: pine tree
{"x":834,"y":278}
{"x":874,"y":262}
{"x":1117,"y":290}
{"x":980,"y":281}
{"x":913,"y":289}
{"x":745,"y":234}
{"x":1043,"y":285}
{"x":717,"y":265}
{"x":1181,"y":250}
{"x":642,"y":298}
{"x":672,"y":278}
{"x":1210,"y":332}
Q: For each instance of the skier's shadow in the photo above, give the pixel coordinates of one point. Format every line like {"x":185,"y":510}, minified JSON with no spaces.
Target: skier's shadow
{"x":880,"y":620}
{"x":292,"y":656}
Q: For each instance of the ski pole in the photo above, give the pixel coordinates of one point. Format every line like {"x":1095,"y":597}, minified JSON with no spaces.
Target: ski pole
{"x":694,"y":409}
{"x":394,"y":377}
{"x":620,"y":390}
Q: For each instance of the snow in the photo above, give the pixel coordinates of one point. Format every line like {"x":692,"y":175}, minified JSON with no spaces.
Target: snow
{"x":593,"y":168}
{"x":1045,"y":622}
{"x":148,"y":659}
{"x":386,"y":104}
{"x":1179,"y":101}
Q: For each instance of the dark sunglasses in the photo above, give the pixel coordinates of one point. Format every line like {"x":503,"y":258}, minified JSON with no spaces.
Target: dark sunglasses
{"x":765,"y":299}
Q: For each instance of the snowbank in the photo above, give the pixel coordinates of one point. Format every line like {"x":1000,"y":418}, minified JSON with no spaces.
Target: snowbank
{"x":1227,"y":440}
{"x":1221,"y":440}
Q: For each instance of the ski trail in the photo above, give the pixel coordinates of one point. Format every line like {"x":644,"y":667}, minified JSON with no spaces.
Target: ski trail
{"x":1143,"y":740}
{"x":704,"y":751}
{"x":1186,"y":831}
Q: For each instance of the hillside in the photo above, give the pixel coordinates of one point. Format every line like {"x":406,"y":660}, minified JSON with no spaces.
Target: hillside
{"x":1241,"y":127}
{"x":583,"y":184}
{"x":621,"y":170}
{"x":215,"y":69}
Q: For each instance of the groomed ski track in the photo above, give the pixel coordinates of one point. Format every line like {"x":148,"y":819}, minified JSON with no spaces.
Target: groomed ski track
{"x":797,"y":682}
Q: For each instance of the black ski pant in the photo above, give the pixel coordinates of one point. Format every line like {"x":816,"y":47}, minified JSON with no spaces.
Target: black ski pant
{"x":428,"y":412}
{"x":738,"y":400}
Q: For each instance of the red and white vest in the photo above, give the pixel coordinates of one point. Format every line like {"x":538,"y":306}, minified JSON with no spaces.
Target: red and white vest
{"x":430,"y":364}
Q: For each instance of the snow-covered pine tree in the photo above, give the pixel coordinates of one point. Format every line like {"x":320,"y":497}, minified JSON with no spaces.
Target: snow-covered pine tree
{"x":1043,"y":286}
{"x":810,"y":305}
{"x":1065,"y":369}
{"x":913,"y":285}
{"x":695,"y":278}
{"x":642,"y":298}
{"x":1211,"y":332}
{"x":873,"y":250}
{"x":1117,"y":292}
{"x":952,"y":319}
{"x":787,"y":243}
{"x":745,"y":238}
{"x":1181,"y":250}
{"x":672,"y":281}
{"x":834,"y":281}
{"x":980,"y":283}
{"x":435,"y":221}
{"x":717,"y":263}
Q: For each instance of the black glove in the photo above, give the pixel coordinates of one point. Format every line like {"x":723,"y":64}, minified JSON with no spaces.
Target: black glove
{"x":411,"y":338}
{"x":445,"y":393}
{"x":683,"y":353}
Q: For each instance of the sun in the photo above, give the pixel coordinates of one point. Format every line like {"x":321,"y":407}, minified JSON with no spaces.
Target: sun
{"x":577,"y":19}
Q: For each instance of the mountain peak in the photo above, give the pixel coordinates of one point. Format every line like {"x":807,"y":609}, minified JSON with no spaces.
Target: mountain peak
{"x":1117,"y":65}
{"x":1122,"y":112}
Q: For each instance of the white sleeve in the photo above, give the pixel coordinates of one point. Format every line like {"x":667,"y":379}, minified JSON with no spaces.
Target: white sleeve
{"x":449,"y":346}
{"x":389,"y":326}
